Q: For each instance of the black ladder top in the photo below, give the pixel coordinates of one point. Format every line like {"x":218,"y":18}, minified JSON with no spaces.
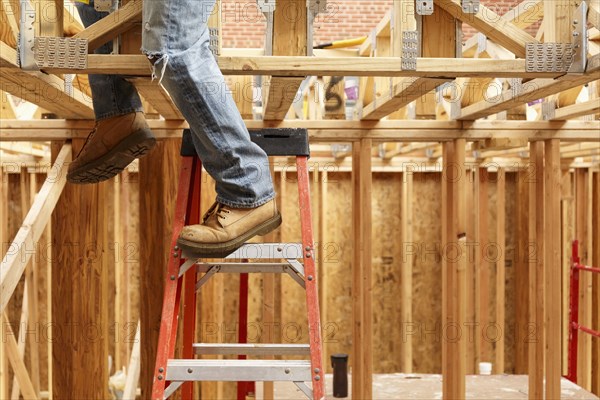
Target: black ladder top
{"x":274,"y":141}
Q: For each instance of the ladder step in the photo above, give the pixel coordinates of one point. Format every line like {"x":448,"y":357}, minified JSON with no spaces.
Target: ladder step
{"x":240,"y":268}
{"x":238,"y":370}
{"x":251,"y":349}
{"x":268,"y":251}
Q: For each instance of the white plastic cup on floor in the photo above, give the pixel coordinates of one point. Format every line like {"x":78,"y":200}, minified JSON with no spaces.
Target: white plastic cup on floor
{"x":485,"y":368}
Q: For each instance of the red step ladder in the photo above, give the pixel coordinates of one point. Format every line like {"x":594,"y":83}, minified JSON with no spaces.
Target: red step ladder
{"x":188,"y":274}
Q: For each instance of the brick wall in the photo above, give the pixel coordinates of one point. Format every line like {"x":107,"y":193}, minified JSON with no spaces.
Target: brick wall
{"x":244,"y":24}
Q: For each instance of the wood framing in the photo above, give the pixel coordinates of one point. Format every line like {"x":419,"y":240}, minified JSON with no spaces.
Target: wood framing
{"x":79,"y":291}
{"x":454,"y":261}
{"x":290,"y":38}
{"x":41,"y":89}
{"x":113,"y":25}
{"x":492,"y":25}
{"x":19,"y":253}
{"x":362,"y":353}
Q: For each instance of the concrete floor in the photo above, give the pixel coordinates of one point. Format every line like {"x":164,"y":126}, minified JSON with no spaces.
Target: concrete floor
{"x":428,"y":387}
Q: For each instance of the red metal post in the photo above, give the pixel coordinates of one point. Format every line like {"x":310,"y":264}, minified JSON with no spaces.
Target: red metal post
{"x":573,"y":313}
{"x":312,"y":305}
{"x":243,"y":388}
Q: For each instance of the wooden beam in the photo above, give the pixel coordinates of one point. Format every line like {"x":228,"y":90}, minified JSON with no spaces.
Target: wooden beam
{"x":500,"y":267}
{"x":525,"y":14}
{"x":593,"y":14}
{"x":46,"y":91}
{"x":453,"y":270}
{"x":157,"y":96}
{"x":553,"y":268}
{"x":532,"y":90}
{"x":12,"y":351}
{"x":289,"y":66}
{"x":113,"y":25}
{"x":403,"y":93}
{"x":19,"y":254}
{"x":492,"y":25}
{"x":290,"y":38}
{"x":79,"y":291}
{"x":577,"y":110}
{"x":362,"y":353}
{"x":338,"y":130}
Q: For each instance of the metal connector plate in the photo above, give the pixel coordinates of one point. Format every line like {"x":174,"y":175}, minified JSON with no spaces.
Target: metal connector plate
{"x":57,"y":52}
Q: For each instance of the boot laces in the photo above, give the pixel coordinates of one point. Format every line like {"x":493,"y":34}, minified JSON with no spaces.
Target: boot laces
{"x":217,"y":208}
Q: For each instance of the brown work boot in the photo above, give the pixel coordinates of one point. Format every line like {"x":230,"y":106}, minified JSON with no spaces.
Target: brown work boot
{"x":112,"y":145}
{"x":225,"y":229}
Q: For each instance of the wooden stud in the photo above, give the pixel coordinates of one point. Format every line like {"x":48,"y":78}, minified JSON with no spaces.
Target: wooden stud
{"x":485,"y":352}
{"x":521,"y":273}
{"x":79,"y":291}
{"x":290,"y":37}
{"x":158,"y":176}
{"x":322,"y":215}
{"x":552,"y":268}
{"x":536,"y":256}
{"x":453,"y":270}
{"x":500,"y":267}
{"x":362,"y":361}
{"x":407,"y":270}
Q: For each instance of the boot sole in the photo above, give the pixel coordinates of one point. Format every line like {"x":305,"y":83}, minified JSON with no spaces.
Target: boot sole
{"x":112,"y":163}
{"x":221,"y":250}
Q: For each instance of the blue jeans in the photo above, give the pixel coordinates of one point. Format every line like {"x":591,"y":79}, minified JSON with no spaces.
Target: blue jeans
{"x":175,"y":37}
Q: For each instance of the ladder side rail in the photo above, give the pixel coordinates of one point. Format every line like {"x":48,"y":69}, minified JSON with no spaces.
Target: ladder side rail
{"x":171,"y":297}
{"x":192,"y":217}
{"x":312,"y":305}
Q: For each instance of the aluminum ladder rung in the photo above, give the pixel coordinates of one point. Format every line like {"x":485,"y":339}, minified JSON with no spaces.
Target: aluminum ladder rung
{"x":238,"y":370}
{"x":268,"y":251}
{"x":251,"y":349}
{"x":240,"y":268}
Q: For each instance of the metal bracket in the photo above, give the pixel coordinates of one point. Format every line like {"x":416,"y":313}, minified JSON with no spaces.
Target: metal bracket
{"x":579,"y":40}
{"x":104,"y":5}
{"x":548,"y":57}
{"x":214,"y":41}
{"x":26,"y":55}
{"x":266,"y":6}
{"x":516,"y":86}
{"x":470,"y":6}
{"x":317,"y":6}
{"x":58,"y":52}
{"x":548,"y":110}
{"x":410,"y":50}
{"x":424,"y":7}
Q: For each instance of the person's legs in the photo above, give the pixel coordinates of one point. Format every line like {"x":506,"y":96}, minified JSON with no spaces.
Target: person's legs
{"x":112,"y":95}
{"x":176,"y":39}
{"x":121,"y":133}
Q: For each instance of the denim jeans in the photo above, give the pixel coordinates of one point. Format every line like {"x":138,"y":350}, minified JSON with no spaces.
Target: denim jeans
{"x":175,"y":37}
{"x":111,"y":94}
